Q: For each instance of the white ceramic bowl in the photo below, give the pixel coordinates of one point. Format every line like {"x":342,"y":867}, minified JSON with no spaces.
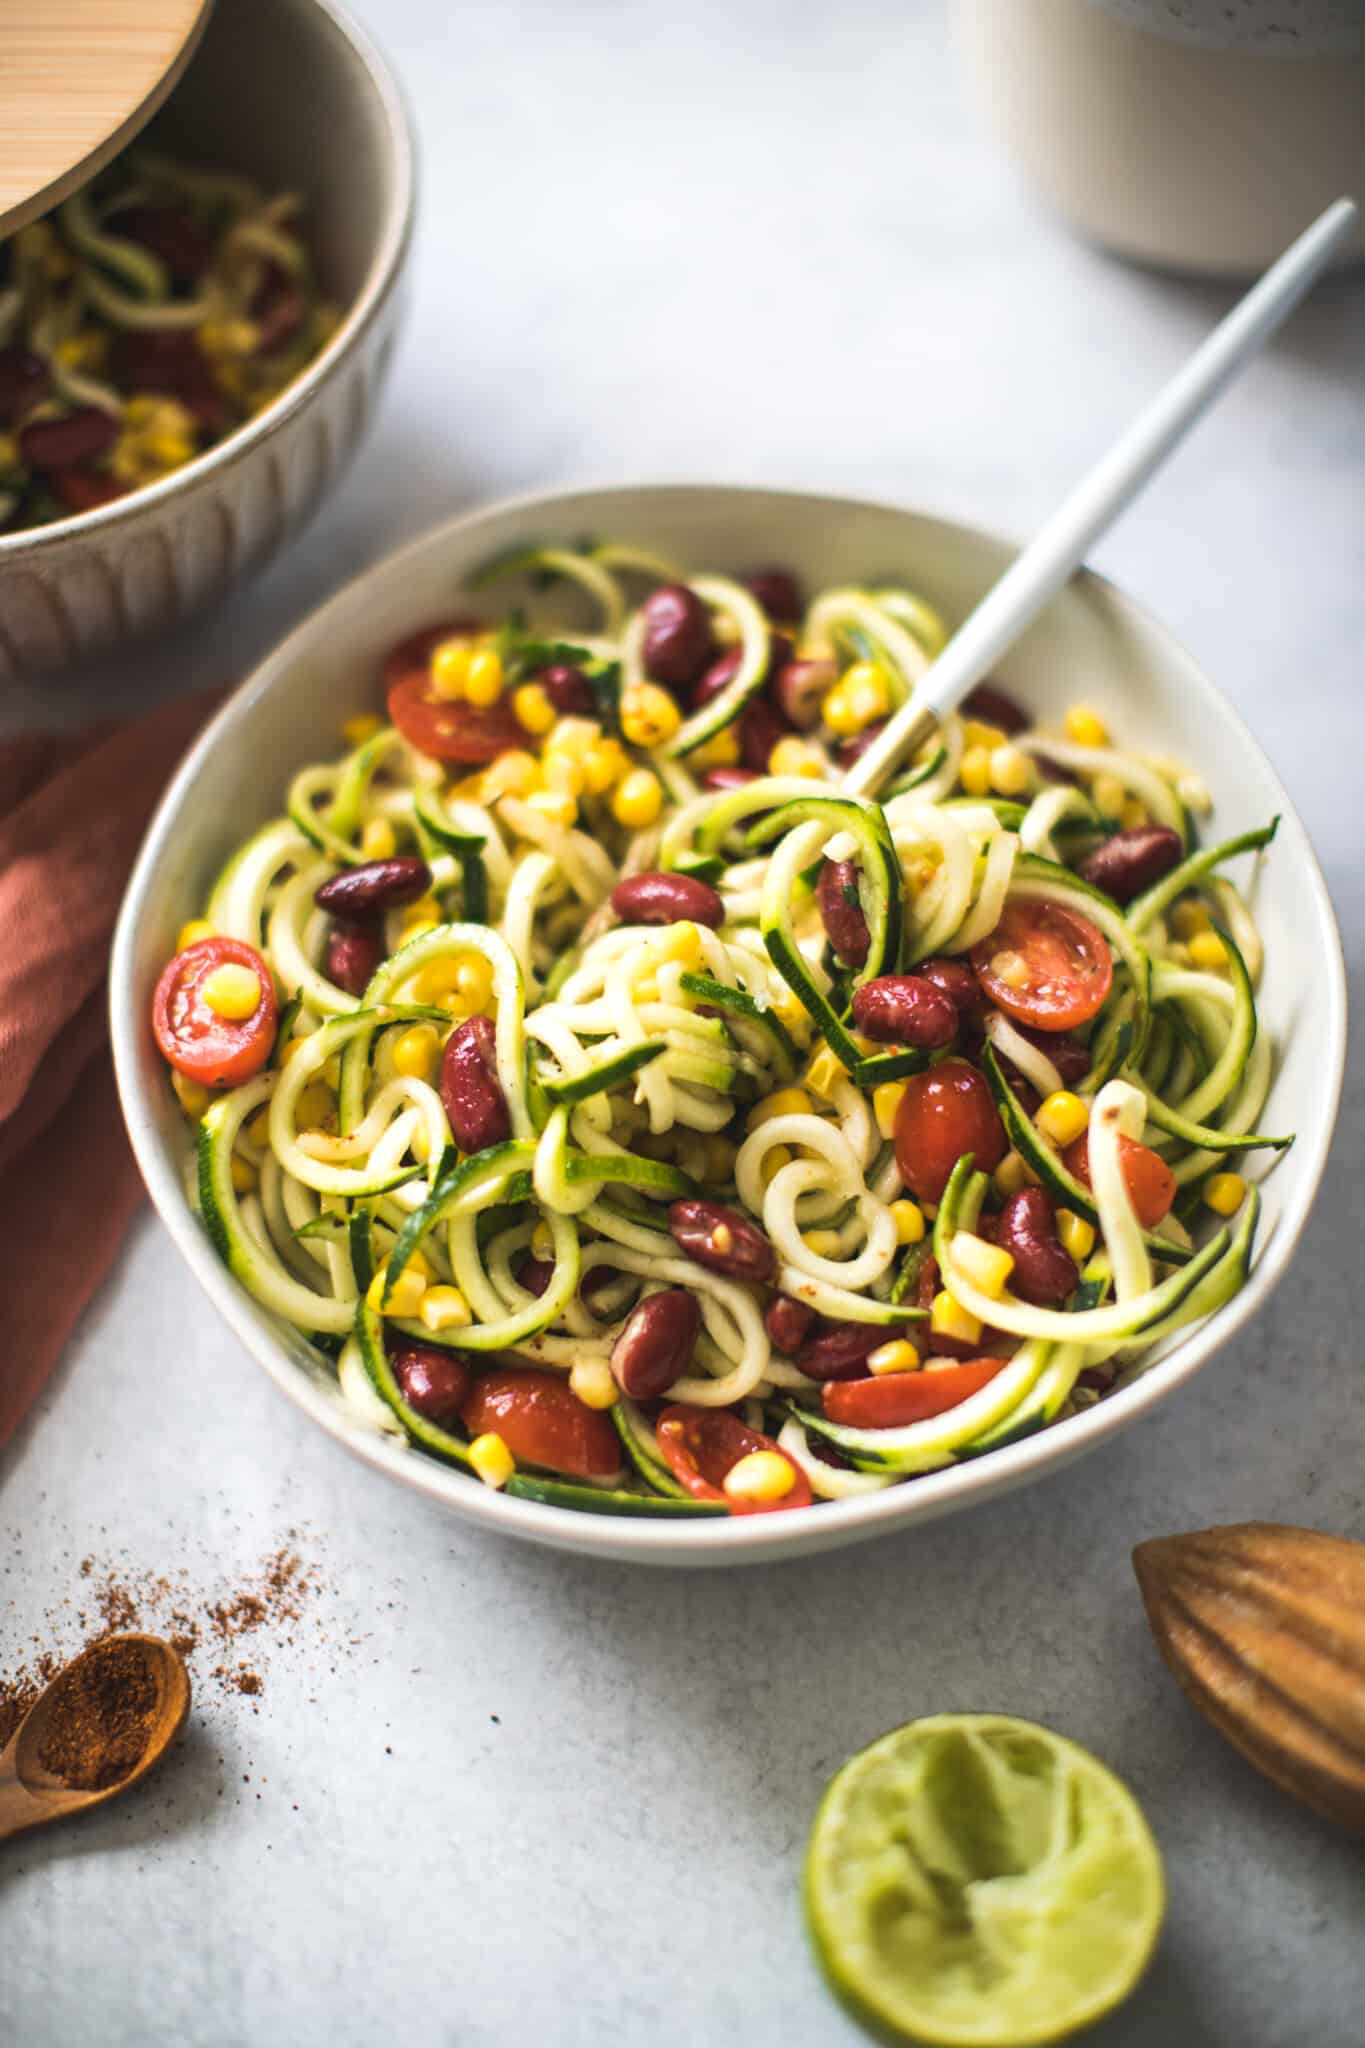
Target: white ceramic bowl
{"x":290,"y":91}
{"x":1092,"y":643}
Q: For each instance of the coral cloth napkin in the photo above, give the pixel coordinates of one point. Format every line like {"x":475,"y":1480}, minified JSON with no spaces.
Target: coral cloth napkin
{"x":73,"y":808}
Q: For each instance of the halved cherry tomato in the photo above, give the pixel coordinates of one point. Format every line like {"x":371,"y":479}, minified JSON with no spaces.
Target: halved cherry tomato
{"x":1150,"y":1183}
{"x":945,"y":1112}
{"x":542,"y":1422}
{"x":700,"y":1445}
{"x":220,"y":1051}
{"x":896,"y":1398}
{"x":448,"y":730}
{"x":1067,"y":968}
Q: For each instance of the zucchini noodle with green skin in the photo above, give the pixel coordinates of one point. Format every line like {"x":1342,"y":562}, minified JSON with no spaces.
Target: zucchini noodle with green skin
{"x":647,"y":1127}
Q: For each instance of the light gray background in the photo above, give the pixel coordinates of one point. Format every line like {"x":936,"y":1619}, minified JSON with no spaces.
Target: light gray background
{"x":763,"y":243}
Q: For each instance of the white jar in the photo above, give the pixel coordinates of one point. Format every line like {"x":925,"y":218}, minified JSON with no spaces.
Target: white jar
{"x":1200,"y":135}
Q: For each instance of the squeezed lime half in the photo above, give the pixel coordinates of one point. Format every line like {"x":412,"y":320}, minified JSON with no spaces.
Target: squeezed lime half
{"x":973,"y":1881}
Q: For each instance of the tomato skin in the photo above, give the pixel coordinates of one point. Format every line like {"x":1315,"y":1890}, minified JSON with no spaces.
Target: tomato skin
{"x":946,"y":1111}
{"x":699,"y":1446}
{"x":542,"y":1422}
{"x":1150,"y":1183}
{"x":897,"y":1398}
{"x":448,"y":730}
{"x":218,"y":1051}
{"x":1070,"y":971}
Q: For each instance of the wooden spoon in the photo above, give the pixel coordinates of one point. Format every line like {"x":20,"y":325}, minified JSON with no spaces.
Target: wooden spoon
{"x":30,"y":1795}
{"x":78,"y":78}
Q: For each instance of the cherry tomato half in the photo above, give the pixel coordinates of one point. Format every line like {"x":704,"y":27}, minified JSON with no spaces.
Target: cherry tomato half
{"x":900,"y":1397}
{"x":220,"y":1051}
{"x":1147,"y":1177}
{"x":448,"y":730}
{"x":700,"y":1445}
{"x":542,"y":1422}
{"x":944,"y":1112}
{"x":1067,"y":971}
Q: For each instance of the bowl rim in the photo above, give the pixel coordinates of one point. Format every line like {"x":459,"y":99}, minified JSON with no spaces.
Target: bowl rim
{"x":748,"y":1539}
{"x":381,"y":276}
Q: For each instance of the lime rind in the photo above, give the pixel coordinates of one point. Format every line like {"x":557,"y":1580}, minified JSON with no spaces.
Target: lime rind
{"x":976,"y":1881}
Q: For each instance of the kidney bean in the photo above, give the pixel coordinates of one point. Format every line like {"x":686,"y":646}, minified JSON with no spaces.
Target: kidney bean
{"x":82,"y":490}
{"x":184,"y":246}
{"x":721,"y":672}
{"x":994,"y":706}
{"x":788,"y":1324}
{"x":374,"y":887}
{"x":905,"y":1009}
{"x":1131,"y":861}
{"x":761,"y":726}
{"x":657,"y":898}
{"x":23,"y":381}
{"x":81,"y":436}
{"x":1044,"y":1271}
{"x":432,"y":1380}
{"x":678,"y":641}
{"x":354,"y":951}
{"x":841,"y":913}
{"x":850,"y":750}
{"x":729,"y":778}
{"x":656,"y":1343}
{"x":722,"y":1240}
{"x":1055,"y":771}
{"x":171,"y":365}
{"x":778,"y":591}
{"x":534,"y":1274}
{"x":568,"y":689}
{"x":470,"y":1089}
{"x":840,"y":1351}
{"x":957,"y":979}
{"x":279,"y":313}
{"x":800,"y":688}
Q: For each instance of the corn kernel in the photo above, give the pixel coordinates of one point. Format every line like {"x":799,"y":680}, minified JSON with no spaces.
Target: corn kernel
{"x":554,"y":806}
{"x":718,"y":1160}
{"x":1189,"y":918}
{"x":542,"y":1241}
{"x":977,"y":733}
{"x":438,"y":978}
{"x":414,"y":1052}
{"x":680,"y":941}
{"x":948,"y":1318}
{"x":534,"y":711}
{"x":649,"y":715}
{"x":898,"y":1356}
{"x":362,"y":727}
{"x":975,"y":772}
{"x":245,"y":1178}
{"x":720,"y":751}
{"x":1133,"y":815}
{"x":1077,"y":1234}
{"x":824,"y":1072}
{"x":1063,"y":1116}
{"x":886,"y":1101}
{"x":563,"y":774}
{"x":908,"y":1218}
{"x":1109,"y":794}
{"x":573,"y":737}
{"x":514,"y":773}
{"x":792,"y":756}
{"x":1193,"y":792}
{"x":826,"y":1244}
{"x":483,"y":678}
{"x":232,"y":991}
{"x":404,"y":1298}
{"x":859,"y":697}
{"x":313,"y":1107}
{"x":605,"y":763}
{"x":377,"y":840}
{"x":444,"y":1308}
{"x":449,"y":668}
{"x":782,"y":1102}
{"x":1208,"y":951}
{"x":591,"y":1380}
{"x":1011,"y":771}
{"x":1011,"y":968}
{"x":256,"y":1129}
{"x":425,"y":910}
{"x":987,"y":1266}
{"x":491,"y":1459}
{"x":1225,"y":1193}
{"x":416,"y":928}
{"x":760,"y":1476}
{"x":190,"y":933}
{"x":773,"y":1161}
{"x":193,"y":1096}
{"x":637,"y":799}
{"x":1085,"y":726}
{"x":1009,"y":1175}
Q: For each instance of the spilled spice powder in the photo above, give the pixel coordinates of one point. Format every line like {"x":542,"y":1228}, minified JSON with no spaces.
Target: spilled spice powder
{"x":101,"y":1716}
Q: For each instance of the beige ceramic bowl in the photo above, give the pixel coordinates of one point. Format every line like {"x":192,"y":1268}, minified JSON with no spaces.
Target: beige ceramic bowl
{"x":290,"y":91}
{"x":1092,"y":640}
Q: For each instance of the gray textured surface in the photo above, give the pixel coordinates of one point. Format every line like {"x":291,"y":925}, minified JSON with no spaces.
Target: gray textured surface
{"x":762,"y":245}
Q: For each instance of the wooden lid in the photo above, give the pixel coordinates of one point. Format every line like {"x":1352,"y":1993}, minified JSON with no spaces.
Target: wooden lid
{"x":78,"y":78}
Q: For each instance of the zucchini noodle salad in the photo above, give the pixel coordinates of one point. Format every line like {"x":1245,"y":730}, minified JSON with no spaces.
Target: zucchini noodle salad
{"x":644,"y":1125}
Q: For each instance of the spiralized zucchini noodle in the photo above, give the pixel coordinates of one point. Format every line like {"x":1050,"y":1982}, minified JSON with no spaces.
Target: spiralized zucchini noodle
{"x":141,"y":322}
{"x":644,"y":1125}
